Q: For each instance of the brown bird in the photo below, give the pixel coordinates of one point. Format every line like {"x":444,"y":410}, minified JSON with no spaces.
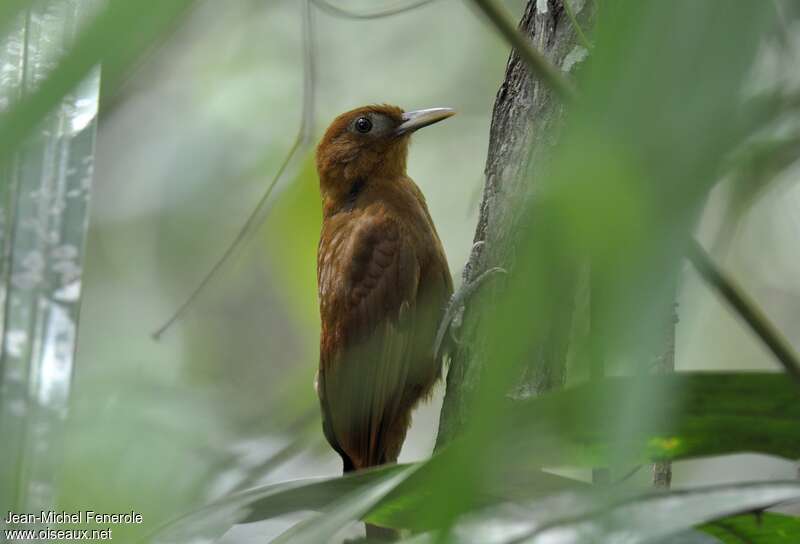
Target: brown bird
{"x":383,"y":284}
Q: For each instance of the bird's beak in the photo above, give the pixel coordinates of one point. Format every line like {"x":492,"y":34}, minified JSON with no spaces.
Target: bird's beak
{"x":414,"y":120}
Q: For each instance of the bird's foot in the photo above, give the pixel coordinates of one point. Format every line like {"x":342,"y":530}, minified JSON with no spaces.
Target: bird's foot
{"x":454,"y":313}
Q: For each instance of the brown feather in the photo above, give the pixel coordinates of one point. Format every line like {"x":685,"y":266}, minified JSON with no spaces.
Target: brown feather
{"x":383,"y":284}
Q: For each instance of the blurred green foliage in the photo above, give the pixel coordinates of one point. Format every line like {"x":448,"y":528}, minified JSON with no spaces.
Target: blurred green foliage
{"x":292,"y":234}
{"x":768,"y":527}
{"x":665,"y":115}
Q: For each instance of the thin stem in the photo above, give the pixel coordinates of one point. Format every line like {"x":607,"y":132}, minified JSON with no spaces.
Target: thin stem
{"x":538,"y":64}
{"x":293,"y":158}
{"x":578,"y":30}
{"x":253,"y":221}
{"x":746,"y":307}
{"x":628,"y":475}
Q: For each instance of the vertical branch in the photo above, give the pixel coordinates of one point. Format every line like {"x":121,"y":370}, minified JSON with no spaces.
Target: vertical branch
{"x":525,"y":122}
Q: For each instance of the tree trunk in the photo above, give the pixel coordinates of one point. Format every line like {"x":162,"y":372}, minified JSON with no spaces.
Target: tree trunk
{"x":525,"y":124}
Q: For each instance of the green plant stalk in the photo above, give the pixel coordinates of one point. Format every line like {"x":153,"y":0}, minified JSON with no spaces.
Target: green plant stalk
{"x":743,"y":304}
{"x":746,"y":307}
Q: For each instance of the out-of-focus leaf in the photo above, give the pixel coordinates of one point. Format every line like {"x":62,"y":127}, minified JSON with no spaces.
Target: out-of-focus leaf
{"x":573,"y":518}
{"x":9,"y":9}
{"x":412,"y":504}
{"x":346,"y":510}
{"x":760,"y":162}
{"x":765,"y":528}
{"x":755,"y":170}
{"x":270,"y":501}
{"x":402,"y":506}
{"x":697,"y":414}
{"x":122,"y":452}
{"x":117,"y":37}
{"x":292,"y":232}
{"x":689,"y":537}
{"x":686,"y":537}
{"x":622,"y":186}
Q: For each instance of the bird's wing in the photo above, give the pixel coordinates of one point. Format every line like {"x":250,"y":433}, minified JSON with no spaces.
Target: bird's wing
{"x":368,"y":282}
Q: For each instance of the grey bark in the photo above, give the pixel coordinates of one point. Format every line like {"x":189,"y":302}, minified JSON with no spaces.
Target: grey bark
{"x":525,"y":123}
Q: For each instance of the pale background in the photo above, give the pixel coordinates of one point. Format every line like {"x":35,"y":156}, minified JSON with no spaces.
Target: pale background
{"x":184,"y":153}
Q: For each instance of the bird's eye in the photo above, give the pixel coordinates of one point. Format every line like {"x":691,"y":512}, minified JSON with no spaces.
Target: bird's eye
{"x":363,"y":125}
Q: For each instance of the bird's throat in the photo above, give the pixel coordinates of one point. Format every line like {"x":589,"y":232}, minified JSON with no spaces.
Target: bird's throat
{"x":352,"y":195}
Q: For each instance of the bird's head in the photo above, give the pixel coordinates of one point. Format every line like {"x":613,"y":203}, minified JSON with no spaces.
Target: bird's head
{"x":369,"y":142}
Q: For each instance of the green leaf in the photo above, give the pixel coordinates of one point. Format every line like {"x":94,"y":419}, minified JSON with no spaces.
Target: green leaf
{"x":404,"y":505}
{"x":679,"y":416}
{"x":697,"y":414}
{"x":573,"y":518}
{"x":429,"y":496}
{"x":349,"y":508}
{"x":686,"y":537}
{"x":766,"y":528}
{"x":270,"y":501}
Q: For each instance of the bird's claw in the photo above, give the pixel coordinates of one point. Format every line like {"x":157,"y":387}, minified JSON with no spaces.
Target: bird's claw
{"x":454,"y":313}
{"x":455,"y":325}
